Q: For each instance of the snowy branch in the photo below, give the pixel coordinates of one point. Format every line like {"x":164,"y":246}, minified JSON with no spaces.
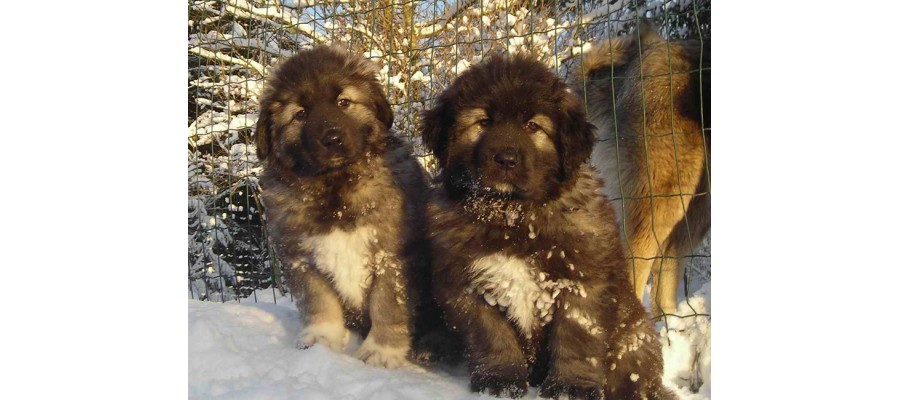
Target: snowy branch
{"x":242,"y":8}
{"x":213,"y":55}
{"x":440,"y":25}
{"x":254,"y":44}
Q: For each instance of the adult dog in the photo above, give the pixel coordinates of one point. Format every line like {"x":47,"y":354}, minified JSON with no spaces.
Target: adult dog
{"x":649,"y":99}
{"x":531,"y":269}
{"x":345,"y":204}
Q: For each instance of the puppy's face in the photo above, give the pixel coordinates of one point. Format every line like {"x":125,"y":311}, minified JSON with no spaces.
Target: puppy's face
{"x":504,"y":151}
{"x":321,"y":111}
{"x":508,"y":127}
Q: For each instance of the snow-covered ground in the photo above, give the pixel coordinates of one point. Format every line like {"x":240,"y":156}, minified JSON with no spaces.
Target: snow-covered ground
{"x":246,"y":351}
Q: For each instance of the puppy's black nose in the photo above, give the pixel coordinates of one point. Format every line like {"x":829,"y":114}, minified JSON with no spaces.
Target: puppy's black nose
{"x":332,"y":138}
{"x":508,"y":158}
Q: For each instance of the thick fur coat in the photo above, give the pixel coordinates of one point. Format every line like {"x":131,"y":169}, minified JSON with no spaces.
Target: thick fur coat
{"x":345,"y":205}
{"x":529,"y":267}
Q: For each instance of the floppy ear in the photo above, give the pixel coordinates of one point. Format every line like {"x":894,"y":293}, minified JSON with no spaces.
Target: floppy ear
{"x":382,"y":108}
{"x":263,"y":126}
{"x":434,"y":127}
{"x":577,"y":136}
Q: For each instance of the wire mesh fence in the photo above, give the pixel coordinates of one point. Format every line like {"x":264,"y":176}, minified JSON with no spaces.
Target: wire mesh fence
{"x":420,"y":45}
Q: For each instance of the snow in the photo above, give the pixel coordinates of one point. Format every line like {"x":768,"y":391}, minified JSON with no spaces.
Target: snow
{"x":687,"y":341}
{"x":461,"y":66}
{"x":239,"y":351}
{"x":247,"y":350}
{"x":420,"y":77}
{"x":298,"y":3}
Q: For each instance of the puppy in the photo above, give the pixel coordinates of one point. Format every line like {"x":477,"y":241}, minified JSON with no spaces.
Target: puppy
{"x":344,"y":204}
{"x":528,"y":264}
{"x":649,"y":99}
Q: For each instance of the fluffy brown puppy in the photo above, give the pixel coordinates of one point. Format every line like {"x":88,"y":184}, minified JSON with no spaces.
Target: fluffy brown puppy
{"x":345,"y":204}
{"x":649,"y":99}
{"x":528,"y":264}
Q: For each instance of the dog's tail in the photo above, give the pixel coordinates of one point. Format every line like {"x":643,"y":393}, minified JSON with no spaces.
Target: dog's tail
{"x":608,"y":55}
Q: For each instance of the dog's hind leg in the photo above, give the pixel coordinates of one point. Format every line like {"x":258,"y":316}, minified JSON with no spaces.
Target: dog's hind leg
{"x":650,"y":242}
{"x":666,"y":214}
{"x":639,"y":265}
{"x":668,"y":270}
{"x":647,"y":230}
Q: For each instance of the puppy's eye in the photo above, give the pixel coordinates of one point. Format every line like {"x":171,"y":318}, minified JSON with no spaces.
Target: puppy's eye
{"x":343,"y":103}
{"x":532,"y":126}
{"x":484,"y":122}
{"x":299,"y":115}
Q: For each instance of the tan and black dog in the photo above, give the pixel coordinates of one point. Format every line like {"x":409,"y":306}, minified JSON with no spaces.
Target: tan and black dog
{"x":650,"y":100}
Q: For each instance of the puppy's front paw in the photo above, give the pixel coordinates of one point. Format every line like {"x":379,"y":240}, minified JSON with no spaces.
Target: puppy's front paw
{"x":556,"y":389}
{"x":332,"y":335}
{"x":438,"y":346}
{"x":509,"y":382}
{"x":382,"y":356}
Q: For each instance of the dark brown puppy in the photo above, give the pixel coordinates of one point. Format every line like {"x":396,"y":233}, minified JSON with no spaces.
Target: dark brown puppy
{"x":528,"y":263}
{"x":654,"y":149}
{"x":345,"y":204}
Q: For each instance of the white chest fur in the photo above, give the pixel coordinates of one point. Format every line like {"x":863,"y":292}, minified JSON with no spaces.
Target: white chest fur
{"x":510,"y":283}
{"x":346,"y":258}
{"x":526,"y":295}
